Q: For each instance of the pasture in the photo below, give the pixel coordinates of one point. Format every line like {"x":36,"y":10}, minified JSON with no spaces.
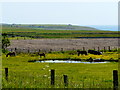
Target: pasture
{"x":24,"y":74}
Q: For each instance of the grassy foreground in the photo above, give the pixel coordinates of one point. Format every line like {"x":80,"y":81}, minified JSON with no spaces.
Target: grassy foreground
{"x":24,"y":74}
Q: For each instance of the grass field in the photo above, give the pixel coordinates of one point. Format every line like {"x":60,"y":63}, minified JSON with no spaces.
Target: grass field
{"x":24,"y":74}
{"x":67,"y":55}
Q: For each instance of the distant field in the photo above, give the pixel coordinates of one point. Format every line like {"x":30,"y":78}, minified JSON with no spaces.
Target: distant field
{"x":66,"y":44}
{"x":50,"y":26}
{"x":42,"y":33}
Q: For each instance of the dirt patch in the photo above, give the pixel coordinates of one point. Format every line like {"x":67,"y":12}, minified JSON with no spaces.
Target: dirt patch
{"x":66,"y":44}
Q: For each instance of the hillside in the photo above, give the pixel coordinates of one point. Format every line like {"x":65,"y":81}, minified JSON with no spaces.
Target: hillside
{"x":50,"y":26}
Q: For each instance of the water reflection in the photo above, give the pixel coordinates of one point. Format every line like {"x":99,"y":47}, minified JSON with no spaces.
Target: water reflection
{"x":67,"y":61}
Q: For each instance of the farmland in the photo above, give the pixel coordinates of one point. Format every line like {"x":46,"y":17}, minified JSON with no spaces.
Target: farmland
{"x":55,"y":33}
{"x":42,"y":38}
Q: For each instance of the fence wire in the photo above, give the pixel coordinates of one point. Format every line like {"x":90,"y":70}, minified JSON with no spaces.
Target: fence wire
{"x":42,"y":79}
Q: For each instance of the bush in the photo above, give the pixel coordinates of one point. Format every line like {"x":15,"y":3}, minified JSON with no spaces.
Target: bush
{"x":4,"y":51}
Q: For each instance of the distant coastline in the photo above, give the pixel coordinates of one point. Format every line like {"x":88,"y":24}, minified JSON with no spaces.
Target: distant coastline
{"x":105,"y":27}
{"x":97,"y":27}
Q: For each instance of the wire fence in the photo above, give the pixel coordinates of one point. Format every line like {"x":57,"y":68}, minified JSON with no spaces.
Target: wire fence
{"x":33,"y":78}
{"x":28,"y":50}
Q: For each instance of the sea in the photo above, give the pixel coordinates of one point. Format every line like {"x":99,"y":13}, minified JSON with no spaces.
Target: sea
{"x":105,"y":27}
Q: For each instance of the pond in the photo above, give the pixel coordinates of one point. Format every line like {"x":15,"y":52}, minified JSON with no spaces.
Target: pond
{"x":66,"y":61}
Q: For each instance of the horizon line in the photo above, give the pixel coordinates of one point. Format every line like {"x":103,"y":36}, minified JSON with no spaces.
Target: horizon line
{"x":59,"y":24}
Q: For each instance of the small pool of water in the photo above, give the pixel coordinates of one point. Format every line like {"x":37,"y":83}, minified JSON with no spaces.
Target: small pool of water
{"x":67,"y":61}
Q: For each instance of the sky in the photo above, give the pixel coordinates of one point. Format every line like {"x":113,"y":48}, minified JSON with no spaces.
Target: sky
{"x":59,"y":0}
{"x":76,"y":13}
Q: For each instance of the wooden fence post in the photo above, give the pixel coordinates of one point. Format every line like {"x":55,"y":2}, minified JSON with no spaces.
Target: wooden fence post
{"x":115,"y":79}
{"x":52,"y":77}
{"x":28,"y":51}
{"x":94,"y":48}
{"x":39,"y":50}
{"x":62,"y":50}
{"x":50,"y":51}
{"x":20,"y":50}
{"x":109,"y":48}
{"x":65,"y":80}
{"x":73,"y":49}
{"x":15,"y":49}
{"x":6,"y":74}
{"x":83,"y":48}
{"x":98,"y":49}
{"x":104,"y":49}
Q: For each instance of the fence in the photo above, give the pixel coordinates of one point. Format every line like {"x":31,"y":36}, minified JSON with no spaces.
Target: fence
{"x":103,"y":49}
{"x":56,"y":80}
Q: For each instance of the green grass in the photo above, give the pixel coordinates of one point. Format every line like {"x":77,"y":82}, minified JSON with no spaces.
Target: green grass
{"x":19,"y":38}
{"x":67,"y":55}
{"x":24,"y":74}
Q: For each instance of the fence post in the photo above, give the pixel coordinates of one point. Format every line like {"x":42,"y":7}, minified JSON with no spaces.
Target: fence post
{"x":109,"y":48}
{"x":115,"y":79}
{"x":98,"y":49}
{"x":39,"y":50}
{"x":73,"y":49}
{"x":52,"y":77}
{"x":83,"y":48}
{"x":104,"y":49}
{"x":28,"y":51}
{"x":50,"y":51}
{"x":20,"y":50}
{"x":65,"y":80}
{"x":94,"y":48}
{"x":6,"y":74}
{"x":62,"y":50}
{"x":15,"y":49}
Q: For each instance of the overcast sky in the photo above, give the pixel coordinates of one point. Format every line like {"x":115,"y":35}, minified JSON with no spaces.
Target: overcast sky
{"x":79,"y":13}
